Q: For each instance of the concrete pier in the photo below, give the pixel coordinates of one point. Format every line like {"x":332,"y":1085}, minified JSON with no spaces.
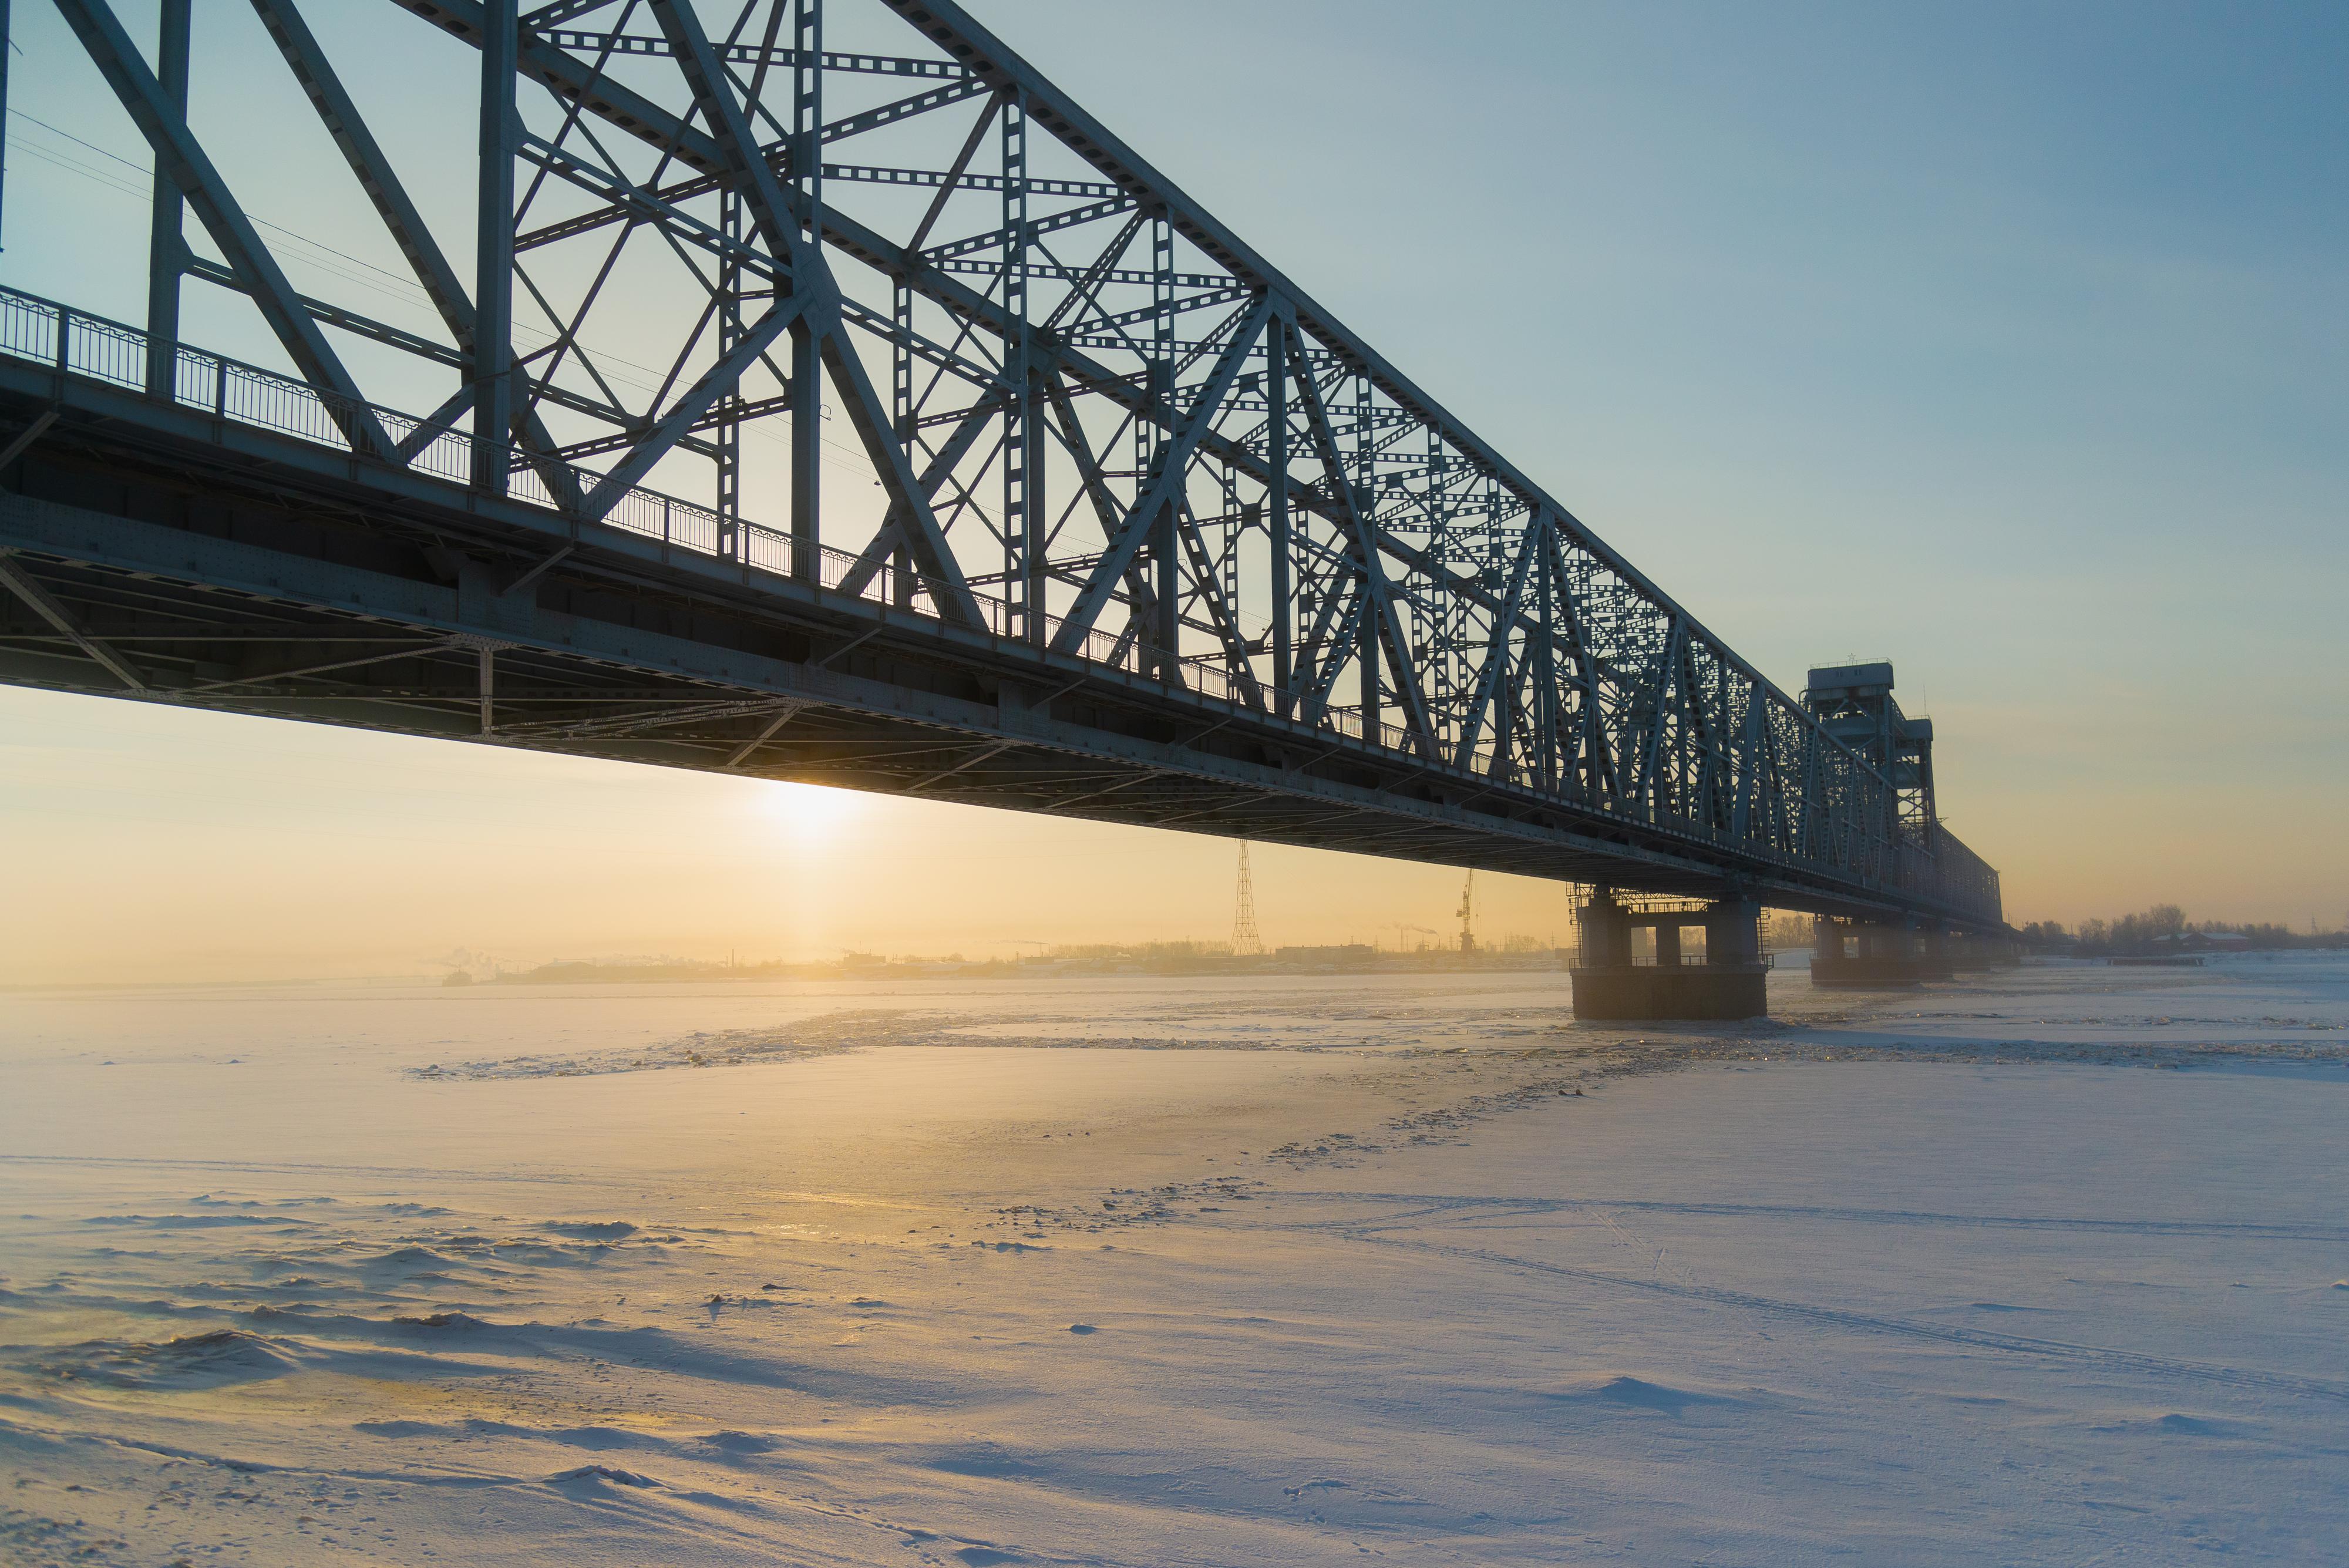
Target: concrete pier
{"x":1730,"y":980}
{"x":1871,"y":955}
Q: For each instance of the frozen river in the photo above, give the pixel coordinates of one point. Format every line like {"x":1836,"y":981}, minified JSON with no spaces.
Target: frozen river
{"x":2045,"y":1266}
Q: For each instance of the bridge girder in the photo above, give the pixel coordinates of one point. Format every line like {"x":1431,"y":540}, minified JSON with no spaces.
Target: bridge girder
{"x":1125,"y":484}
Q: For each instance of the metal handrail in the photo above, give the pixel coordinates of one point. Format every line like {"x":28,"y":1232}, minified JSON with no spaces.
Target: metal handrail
{"x":76,"y":342}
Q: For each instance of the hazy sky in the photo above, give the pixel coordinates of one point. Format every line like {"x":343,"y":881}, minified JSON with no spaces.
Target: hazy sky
{"x":2004,"y":341}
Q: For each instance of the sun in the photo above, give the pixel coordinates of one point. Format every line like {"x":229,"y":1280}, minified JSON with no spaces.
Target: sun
{"x":812,"y":814}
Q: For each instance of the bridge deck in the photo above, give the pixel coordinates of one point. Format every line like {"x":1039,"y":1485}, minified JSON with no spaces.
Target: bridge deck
{"x":1137,"y":529}
{"x":232,"y":565}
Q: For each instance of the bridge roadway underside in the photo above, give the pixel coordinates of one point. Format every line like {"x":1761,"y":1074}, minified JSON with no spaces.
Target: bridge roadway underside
{"x":211,"y":564}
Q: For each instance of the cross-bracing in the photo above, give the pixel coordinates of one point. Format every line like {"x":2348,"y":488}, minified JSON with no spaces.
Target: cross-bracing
{"x":828,"y":396}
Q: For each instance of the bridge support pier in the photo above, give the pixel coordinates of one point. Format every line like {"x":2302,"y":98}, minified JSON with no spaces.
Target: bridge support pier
{"x":1969,"y":954}
{"x":1729,"y":981}
{"x":1884,"y":955}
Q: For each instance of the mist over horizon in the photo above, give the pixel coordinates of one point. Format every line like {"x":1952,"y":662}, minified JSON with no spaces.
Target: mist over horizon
{"x":2047,"y":407}
{"x":178,"y":845}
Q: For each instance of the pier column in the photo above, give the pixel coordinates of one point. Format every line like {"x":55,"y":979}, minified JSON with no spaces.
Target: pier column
{"x":1733,"y":933}
{"x":1935,"y":953}
{"x":1828,"y":938}
{"x":1606,"y":932}
{"x":1732,"y":982}
{"x":1890,"y":954}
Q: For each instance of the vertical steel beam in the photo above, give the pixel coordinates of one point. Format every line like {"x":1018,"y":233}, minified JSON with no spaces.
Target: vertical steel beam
{"x":1546,"y":693}
{"x":1034,"y":610}
{"x":807,"y":111}
{"x":1167,"y":623}
{"x":732,"y":223}
{"x":1364,"y":494}
{"x":5,"y":50}
{"x":807,"y":447}
{"x":729,"y":401}
{"x":1283,"y":594}
{"x":1021,"y":540}
{"x":165,"y":246}
{"x":501,"y":126}
{"x":901,"y":365}
{"x":807,"y":350}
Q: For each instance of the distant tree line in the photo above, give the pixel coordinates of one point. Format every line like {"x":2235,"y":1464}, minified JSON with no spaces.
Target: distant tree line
{"x":2164,"y":925}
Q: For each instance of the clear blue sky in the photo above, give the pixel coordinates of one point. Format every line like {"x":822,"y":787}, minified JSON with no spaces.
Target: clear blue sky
{"x":2005,"y":341}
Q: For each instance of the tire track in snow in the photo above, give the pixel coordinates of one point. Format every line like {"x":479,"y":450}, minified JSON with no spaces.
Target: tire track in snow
{"x":1431,"y":1204}
{"x":1864,"y":1323}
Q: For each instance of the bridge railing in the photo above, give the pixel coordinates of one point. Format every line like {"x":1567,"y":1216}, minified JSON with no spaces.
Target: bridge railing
{"x":79,"y":343}
{"x":76,"y":342}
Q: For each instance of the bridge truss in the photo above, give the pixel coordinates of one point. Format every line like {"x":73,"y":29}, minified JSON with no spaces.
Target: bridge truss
{"x":823,"y":395}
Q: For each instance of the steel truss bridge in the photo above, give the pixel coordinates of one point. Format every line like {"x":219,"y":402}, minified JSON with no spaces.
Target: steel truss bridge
{"x":827,"y":397}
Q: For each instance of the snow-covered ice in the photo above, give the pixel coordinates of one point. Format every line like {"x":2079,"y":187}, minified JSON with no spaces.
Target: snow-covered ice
{"x":2050,"y":1265}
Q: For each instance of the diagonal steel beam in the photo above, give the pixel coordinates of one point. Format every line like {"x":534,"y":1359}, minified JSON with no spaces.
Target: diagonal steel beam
{"x":414,"y":650}
{"x":955,"y":172}
{"x":903,"y":110}
{"x":741,"y":159}
{"x":892,"y":533}
{"x":1497,"y":650}
{"x":772,"y":211}
{"x":1656,"y":684}
{"x":1375,"y":589}
{"x":182,"y":159}
{"x":559,"y":11}
{"x":352,"y":137}
{"x":1221,"y":613}
{"x":1171,"y":468}
{"x":783,"y":716}
{"x":25,"y":438}
{"x":18,"y":581}
{"x":1591,"y":746}
{"x":1339,"y":642}
{"x":689,"y":406}
{"x":1082,"y":290}
{"x":907,"y":500}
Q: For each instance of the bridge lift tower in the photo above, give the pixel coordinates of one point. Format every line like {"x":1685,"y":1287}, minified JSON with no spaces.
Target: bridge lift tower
{"x":1854,"y":703}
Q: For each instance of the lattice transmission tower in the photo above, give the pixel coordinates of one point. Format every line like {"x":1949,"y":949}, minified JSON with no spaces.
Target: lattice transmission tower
{"x":1246,"y":942}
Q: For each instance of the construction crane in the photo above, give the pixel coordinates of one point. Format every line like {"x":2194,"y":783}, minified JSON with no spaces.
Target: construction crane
{"x":1468,"y":915}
